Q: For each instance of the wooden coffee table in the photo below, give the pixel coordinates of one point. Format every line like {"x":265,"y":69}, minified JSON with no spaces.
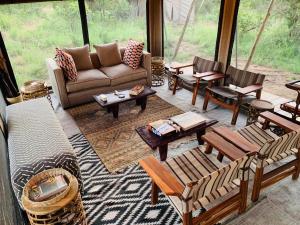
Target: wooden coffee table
{"x":161,"y":143}
{"x":113,"y":101}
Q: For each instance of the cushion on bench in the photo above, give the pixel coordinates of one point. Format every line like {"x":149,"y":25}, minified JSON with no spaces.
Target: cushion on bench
{"x":36,"y":142}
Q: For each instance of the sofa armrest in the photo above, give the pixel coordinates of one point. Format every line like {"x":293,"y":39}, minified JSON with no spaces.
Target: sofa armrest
{"x":146,"y":64}
{"x":58,"y":82}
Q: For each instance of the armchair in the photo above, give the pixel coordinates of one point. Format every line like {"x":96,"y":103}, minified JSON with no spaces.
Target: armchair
{"x":273,"y":149}
{"x":293,"y":107}
{"x":191,"y":182}
{"x":238,"y":85}
{"x":201,"y":68}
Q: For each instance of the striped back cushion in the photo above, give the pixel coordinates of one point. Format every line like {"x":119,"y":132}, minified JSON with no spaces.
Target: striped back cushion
{"x":242,"y":78}
{"x":220,"y":178}
{"x":204,"y":65}
{"x":283,"y":144}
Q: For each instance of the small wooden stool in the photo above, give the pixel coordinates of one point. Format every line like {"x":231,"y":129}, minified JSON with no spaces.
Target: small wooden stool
{"x":257,"y":107}
{"x":64,"y":208}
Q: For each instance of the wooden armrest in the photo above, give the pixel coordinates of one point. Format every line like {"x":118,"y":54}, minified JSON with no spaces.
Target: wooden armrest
{"x":162,"y":177}
{"x":249,"y":89}
{"x":237,"y":140}
{"x":223,"y":146}
{"x":294,"y":85}
{"x":176,"y":67}
{"x":280,"y":121}
{"x":205,"y":74}
{"x":214,"y":77}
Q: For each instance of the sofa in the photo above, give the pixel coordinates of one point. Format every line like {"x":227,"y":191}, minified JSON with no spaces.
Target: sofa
{"x":97,"y":80}
{"x":32,"y":142}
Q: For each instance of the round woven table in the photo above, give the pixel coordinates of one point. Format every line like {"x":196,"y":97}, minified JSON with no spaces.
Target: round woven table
{"x":64,"y":208}
{"x":158,"y":71}
{"x":256,"y":107}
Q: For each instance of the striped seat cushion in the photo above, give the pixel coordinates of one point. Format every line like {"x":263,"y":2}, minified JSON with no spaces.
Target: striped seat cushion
{"x":192,"y":166}
{"x":278,"y":149}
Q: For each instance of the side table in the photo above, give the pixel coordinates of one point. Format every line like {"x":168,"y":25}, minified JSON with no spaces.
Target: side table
{"x":64,"y":208}
{"x":257,"y":107}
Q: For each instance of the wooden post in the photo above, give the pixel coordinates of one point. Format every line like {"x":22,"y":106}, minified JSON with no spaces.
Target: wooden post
{"x":259,"y":34}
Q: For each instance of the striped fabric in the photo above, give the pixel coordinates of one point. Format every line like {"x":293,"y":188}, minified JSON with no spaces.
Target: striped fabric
{"x":203,"y":180}
{"x":273,"y":148}
{"x":204,"y":65}
{"x":243,"y":78}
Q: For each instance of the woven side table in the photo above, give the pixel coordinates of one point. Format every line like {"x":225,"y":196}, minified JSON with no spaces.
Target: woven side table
{"x":256,"y":107}
{"x":158,"y":71}
{"x":64,"y":208}
{"x":35,"y":89}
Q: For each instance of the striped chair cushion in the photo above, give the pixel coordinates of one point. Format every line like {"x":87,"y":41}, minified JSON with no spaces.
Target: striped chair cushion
{"x":273,"y":147}
{"x":204,"y":179}
{"x":204,"y":65}
{"x":243,"y":78}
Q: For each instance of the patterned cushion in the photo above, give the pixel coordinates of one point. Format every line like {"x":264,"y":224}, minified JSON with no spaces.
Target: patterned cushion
{"x":66,"y":62}
{"x":204,"y":65}
{"x":243,"y":78}
{"x":133,"y":53}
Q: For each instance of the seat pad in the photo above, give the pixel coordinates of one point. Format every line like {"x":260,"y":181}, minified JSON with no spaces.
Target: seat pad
{"x":88,"y":79}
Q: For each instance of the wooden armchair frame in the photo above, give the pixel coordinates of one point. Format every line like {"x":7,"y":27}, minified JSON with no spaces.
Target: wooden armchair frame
{"x":198,"y":76}
{"x":263,"y":180}
{"x":237,"y":98}
{"x":293,"y":110}
{"x":163,"y":179}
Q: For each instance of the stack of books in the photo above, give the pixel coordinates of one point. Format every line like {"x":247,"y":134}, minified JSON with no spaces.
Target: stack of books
{"x":48,"y":188}
{"x":183,"y":122}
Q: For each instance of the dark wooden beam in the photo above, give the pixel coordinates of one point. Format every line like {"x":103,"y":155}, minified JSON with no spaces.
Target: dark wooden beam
{"x":7,"y":61}
{"x":84,"y":24}
{"x":148,"y":26}
{"x":221,"y":13}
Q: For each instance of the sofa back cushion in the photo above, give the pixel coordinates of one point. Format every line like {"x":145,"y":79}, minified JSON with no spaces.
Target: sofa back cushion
{"x":109,"y":54}
{"x":81,"y":57}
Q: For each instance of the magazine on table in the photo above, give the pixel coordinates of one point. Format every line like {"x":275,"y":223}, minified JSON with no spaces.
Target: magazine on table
{"x":188,"y":120}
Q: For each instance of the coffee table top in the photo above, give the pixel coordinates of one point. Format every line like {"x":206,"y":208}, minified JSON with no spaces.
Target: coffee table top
{"x":155,"y":141}
{"x":113,"y":99}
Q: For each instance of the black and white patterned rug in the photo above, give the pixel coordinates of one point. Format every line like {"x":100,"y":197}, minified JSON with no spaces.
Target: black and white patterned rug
{"x":122,"y":198}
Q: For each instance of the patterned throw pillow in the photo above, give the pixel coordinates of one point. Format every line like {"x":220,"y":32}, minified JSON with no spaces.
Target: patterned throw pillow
{"x":133,"y":53}
{"x":66,"y":62}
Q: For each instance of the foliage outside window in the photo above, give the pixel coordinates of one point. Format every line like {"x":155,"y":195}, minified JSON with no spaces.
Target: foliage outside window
{"x":32,"y":31}
{"x":278,"y":51}
{"x":199,"y":38}
{"x":119,"y":20}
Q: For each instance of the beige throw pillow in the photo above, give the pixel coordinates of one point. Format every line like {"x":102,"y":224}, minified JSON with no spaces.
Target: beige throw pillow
{"x":81,"y":57}
{"x":108,"y":54}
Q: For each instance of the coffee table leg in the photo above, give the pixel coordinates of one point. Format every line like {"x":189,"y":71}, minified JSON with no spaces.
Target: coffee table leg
{"x":138,"y":101}
{"x":220,"y":157}
{"x":143,"y":103}
{"x":163,"y":152}
{"x":199,"y":135}
{"x":115,"y":111}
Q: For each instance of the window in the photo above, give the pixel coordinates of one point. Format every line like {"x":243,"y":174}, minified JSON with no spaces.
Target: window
{"x":277,"y":53}
{"x":119,"y":20}
{"x":32,"y":31}
{"x":199,"y":37}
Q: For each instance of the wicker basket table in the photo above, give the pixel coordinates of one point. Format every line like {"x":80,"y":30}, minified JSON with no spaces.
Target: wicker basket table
{"x":158,"y":71}
{"x":64,"y":208}
{"x":256,"y":107}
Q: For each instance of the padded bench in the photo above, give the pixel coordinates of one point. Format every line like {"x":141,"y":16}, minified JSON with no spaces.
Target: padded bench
{"x":36,"y":142}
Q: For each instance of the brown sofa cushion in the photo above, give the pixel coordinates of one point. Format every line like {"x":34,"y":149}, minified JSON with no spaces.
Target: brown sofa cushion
{"x":88,"y":79}
{"x":81,"y":57}
{"x":122,"y":73}
{"x":109,"y":54}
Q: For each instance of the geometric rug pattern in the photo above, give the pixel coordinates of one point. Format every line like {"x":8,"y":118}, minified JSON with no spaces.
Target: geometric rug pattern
{"x":120,"y":198}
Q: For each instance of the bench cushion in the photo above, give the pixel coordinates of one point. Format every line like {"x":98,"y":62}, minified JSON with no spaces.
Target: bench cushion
{"x":36,"y":142}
